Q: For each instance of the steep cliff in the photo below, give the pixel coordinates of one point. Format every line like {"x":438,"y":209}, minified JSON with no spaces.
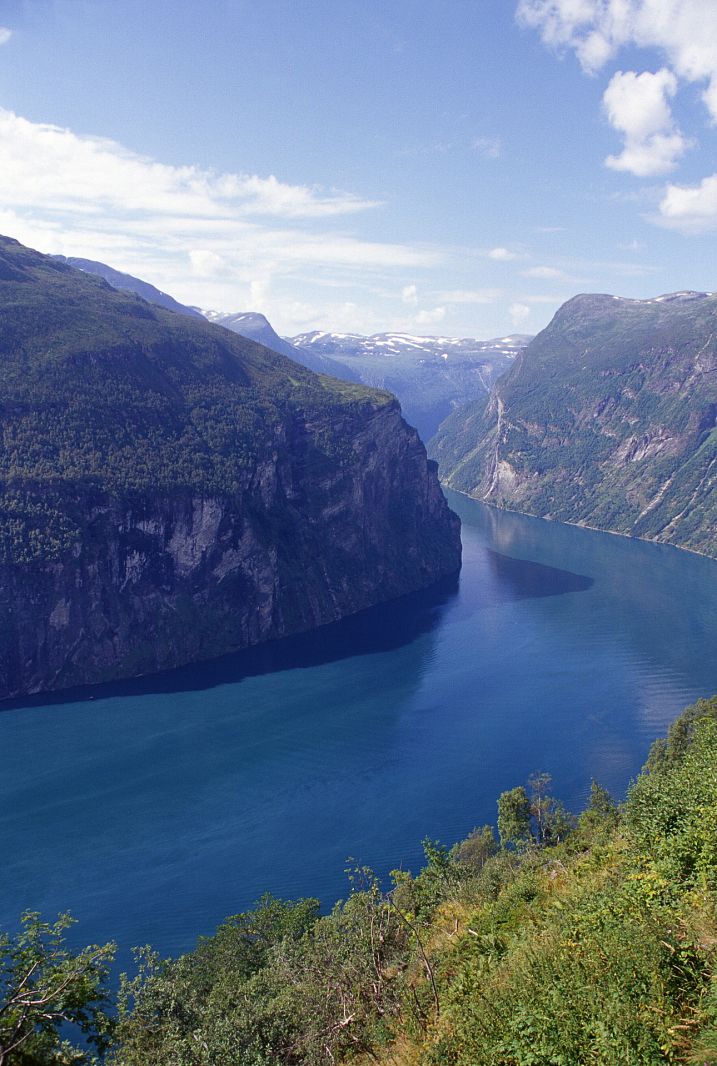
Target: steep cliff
{"x":608,"y":418}
{"x":170,"y":491}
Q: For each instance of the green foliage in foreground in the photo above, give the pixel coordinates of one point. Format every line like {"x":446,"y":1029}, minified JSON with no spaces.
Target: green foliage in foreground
{"x":45,"y":986}
{"x":574,"y":942}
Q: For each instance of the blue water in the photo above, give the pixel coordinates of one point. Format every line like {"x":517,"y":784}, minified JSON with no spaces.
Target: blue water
{"x":154,"y":808}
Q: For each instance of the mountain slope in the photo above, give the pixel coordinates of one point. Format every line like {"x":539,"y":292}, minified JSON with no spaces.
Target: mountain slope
{"x":256,"y":327}
{"x":430,"y":375}
{"x":170,"y":491}
{"x":128,"y":283}
{"x":608,"y":418}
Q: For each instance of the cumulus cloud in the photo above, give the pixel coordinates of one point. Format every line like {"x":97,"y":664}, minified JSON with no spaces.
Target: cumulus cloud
{"x":684,"y":32}
{"x":205,"y":263}
{"x":429,"y":318}
{"x":5,"y":34}
{"x":519,"y":313}
{"x":637,"y":105}
{"x":504,"y":255}
{"x":690,"y":208}
{"x":409,"y":295}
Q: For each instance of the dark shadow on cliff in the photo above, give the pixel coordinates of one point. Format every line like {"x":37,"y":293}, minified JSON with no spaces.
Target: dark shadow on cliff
{"x":383,"y":628}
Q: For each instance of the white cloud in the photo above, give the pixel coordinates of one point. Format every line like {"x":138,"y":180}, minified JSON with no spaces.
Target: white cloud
{"x":205,"y":263}
{"x":409,"y":295}
{"x":684,"y":31}
{"x":488,"y":147}
{"x":47,"y":166}
{"x":519,"y":313}
{"x":637,"y":106}
{"x":690,"y":208}
{"x":5,"y":34}
{"x":428,"y":318}
{"x":206,"y":237}
{"x":469,"y":296}
{"x":545,"y":272}
{"x":504,"y":255}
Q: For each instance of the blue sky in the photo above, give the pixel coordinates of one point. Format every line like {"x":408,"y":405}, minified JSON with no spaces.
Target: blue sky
{"x":458,"y":167}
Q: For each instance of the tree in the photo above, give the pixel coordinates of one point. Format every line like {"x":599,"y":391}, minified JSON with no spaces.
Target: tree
{"x":552,"y":821}
{"x":514,"y":817}
{"x":477,"y":848}
{"x":44,"y":987}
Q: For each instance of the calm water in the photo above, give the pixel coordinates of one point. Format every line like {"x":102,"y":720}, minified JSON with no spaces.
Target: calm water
{"x":155,"y":808}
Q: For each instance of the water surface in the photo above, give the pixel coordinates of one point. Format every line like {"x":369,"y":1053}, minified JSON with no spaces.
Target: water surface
{"x":154,"y":808}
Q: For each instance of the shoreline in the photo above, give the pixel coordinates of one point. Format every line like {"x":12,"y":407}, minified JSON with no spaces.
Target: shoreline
{"x":581,"y":525}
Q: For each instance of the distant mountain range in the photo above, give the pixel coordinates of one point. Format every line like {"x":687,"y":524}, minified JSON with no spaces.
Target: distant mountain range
{"x":430,"y":375}
{"x":256,"y":327}
{"x":608,"y":418}
{"x":392,"y":345}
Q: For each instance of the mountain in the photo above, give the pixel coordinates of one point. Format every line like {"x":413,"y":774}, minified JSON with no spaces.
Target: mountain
{"x":431,"y":376}
{"x":126,"y":282}
{"x":608,"y":418}
{"x":256,"y":327}
{"x":170,"y":491}
{"x":248,"y":324}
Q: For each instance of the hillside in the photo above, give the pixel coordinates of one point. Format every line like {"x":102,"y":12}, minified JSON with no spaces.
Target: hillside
{"x":563,"y":941}
{"x":170,"y":491}
{"x":256,"y":327}
{"x":608,"y":418}
{"x":431,"y":376}
{"x":127,"y":282}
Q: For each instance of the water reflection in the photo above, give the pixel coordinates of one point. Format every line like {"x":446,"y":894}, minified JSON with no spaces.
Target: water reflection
{"x":160,"y":805}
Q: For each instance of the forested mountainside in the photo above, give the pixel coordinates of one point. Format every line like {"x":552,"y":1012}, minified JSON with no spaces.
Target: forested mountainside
{"x":249,"y":324}
{"x":431,"y":376}
{"x":170,"y":491}
{"x":564,"y":941}
{"x":608,"y":418}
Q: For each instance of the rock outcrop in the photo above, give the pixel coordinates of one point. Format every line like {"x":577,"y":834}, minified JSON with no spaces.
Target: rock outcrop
{"x":608,"y":418}
{"x":170,"y":492}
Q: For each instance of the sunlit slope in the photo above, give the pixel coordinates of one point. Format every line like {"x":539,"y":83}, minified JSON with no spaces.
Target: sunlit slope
{"x":607,"y":418}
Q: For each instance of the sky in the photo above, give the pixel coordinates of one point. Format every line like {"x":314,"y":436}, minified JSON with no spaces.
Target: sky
{"x":444,"y":167}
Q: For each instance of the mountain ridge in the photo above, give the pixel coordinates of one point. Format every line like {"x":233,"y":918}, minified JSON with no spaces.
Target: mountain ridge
{"x":608,"y":419}
{"x":170,"y":491}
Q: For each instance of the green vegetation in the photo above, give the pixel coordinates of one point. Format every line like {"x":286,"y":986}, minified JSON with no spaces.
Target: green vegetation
{"x":101,"y":392}
{"x":607,"y":418}
{"x":44,"y":987}
{"x":572,"y":942}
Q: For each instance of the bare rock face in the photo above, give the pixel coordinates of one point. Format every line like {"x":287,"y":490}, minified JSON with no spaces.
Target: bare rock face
{"x":236,"y":497}
{"x":608,"y":418}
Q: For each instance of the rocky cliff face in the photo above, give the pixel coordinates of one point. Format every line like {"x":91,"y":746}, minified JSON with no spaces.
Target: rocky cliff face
{"x":146,"y":549}
{"x":608,"y":418}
